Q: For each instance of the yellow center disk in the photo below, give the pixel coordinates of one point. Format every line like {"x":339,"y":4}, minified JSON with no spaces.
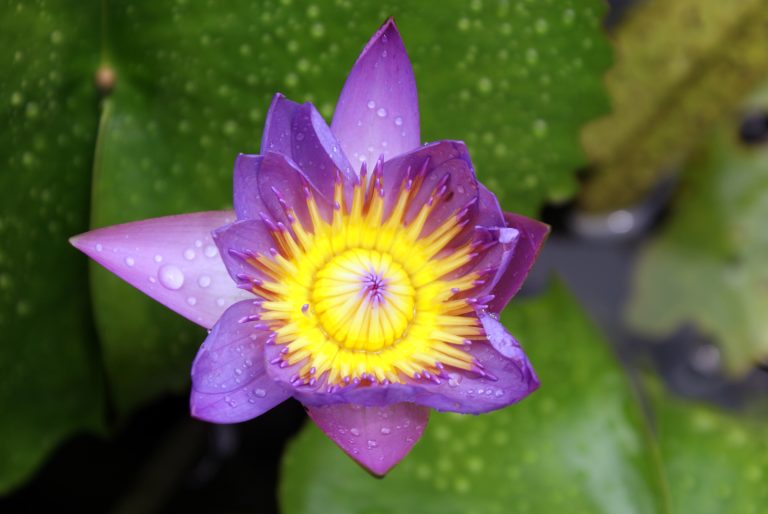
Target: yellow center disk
{"x":365,"y":296}
{"x":363,"y":300}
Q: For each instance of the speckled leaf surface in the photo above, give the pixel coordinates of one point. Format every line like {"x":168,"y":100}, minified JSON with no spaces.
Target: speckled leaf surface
{"x":577,"y":445}
{"x":194,"y":79}
{"x":707,"y":266}
{"x":49,"y":378}
{"x":714,"y":461}
{"x":681,"y":67}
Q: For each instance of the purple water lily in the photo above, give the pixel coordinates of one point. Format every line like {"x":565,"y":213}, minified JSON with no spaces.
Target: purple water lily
{"x":360,"y":272}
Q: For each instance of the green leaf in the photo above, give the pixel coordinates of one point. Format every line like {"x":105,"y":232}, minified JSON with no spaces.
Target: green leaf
{"x":681,"y":68}
{"x":516,"y":81}
{"x":577,"y":445}
{"x":707,"y":266}
{"x":714,"y":461}
{"x":50,"y":383}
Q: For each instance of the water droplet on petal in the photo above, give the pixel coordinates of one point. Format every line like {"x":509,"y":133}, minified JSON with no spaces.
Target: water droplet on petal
{"x":260,"y":393}
{"x":204,"y":281}
{"x":382,"y":112}
{"x":211,"y":251}
{"x":129,"y":261}
{"x":399,"y":121}
{"x":371,"y":104}
{"x":99,"y":247}
{"x":158,"y":258}
{"x":189,"y":254}
{"x":192,"y":300}
{"x":171,"y":276}
{"x":385,"y":430}
{"x":354,"y":431}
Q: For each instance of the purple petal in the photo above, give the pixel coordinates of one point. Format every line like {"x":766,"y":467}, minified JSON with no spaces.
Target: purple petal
{"x":247,"y":197}
{"x":442,"y":162}
{"x":532,"y":236}
{"x":378,"y":110}
{"x":501,"y":382}
{"x":172,"y":259}
{"x":229,"y":382}
{"x":300,"y":133}
{"x":240,"y":241}
{"x":267,"y":185}
{"x":489,"y":213}
{"x":376,"y":437}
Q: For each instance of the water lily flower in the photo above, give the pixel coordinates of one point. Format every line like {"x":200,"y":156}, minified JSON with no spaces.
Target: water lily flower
{"x":360,"y":273}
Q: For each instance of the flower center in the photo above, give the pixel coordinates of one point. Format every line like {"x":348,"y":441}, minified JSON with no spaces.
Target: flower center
{"x":363,"y":299}
{"x":367,"y":294}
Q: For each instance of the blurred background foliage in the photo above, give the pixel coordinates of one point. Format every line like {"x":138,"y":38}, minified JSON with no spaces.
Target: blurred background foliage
{"x":116,"y":111}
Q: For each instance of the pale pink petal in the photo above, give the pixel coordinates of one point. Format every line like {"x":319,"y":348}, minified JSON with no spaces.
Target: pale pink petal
{"x":172,"y":259}
{"x":378,"y":110}
{"x":376,"y":437}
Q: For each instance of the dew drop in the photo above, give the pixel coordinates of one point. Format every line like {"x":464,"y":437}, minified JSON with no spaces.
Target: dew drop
{"x":204,"y":281}
{"x":354,"y":431}
{"x":371,"y":104}
{"x":192,"y":300}
{"x":99,"y":247}
{"x":158,"y":258}
{"x":211,"y":251}
{"x":189,"y":254}
{"x":372,"y":444}
{"x":171,"y":276}
{"x":220,"y":302}
{"x":385,"y":430}
{"x":198,"y":243}
{"x":259,"y":393}
{"x":399,"y":121}
{"x":382,"y":112}
{"x":130,"y":261}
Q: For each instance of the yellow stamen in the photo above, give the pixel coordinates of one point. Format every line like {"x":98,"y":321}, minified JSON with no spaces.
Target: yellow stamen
{"x":361,"y":297}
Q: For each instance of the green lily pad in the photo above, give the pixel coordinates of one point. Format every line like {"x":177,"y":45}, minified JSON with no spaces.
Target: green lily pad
{"x":516,"y":81}
{"x":707,"y":266}
{"x":714,"y":461}
{"x":577,"y":445}
{"x":681,"y":68}
{"x":50,"y":378}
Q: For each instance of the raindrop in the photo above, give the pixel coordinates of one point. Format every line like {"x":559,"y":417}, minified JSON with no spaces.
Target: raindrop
{"x":192,"y":300}
{"x":399,"y":121}
{"x":189,"y":254}
{"x":354,"y":431}
{"x":484,"y":85}
{"x":372,"y":444}
{"x":171,"y":276}
{"x":204,"y":281}
{"x":385,"y":430}
{"x":382,"y":112}
{"x":129,"y":261}
{"x":539,"y":128}
{"x":371,"y":104}
{"x":158,"y":258}
{"x":259,"y":393}
{"x":99,"y":247}
{"x":220,"y":302}
{"x":211,"y":251}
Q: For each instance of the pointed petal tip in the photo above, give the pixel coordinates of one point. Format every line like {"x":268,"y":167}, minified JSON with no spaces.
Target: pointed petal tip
{"x":377,"y":438}
{"x":76,"y":241}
